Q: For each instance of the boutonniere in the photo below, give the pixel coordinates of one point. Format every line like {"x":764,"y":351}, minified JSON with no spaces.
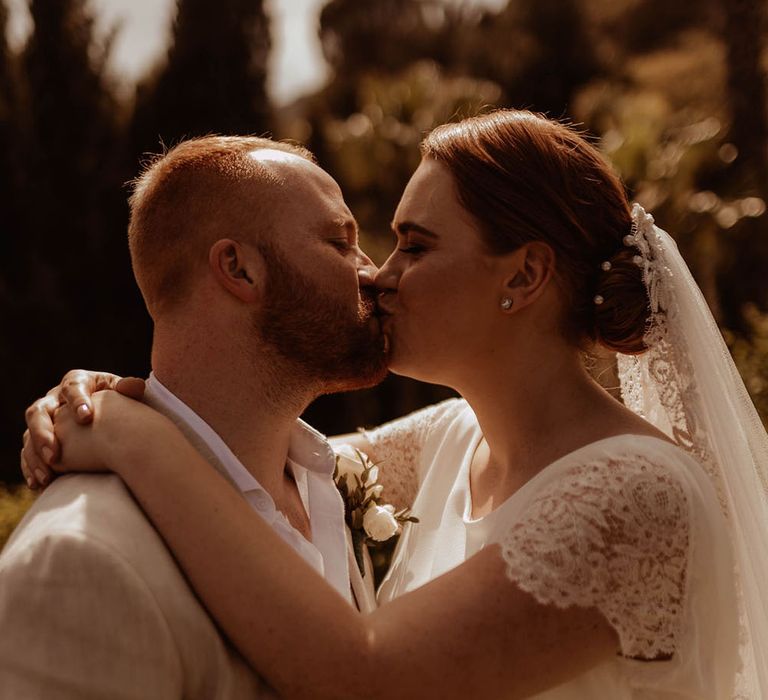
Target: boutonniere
{"x":370,"y":521}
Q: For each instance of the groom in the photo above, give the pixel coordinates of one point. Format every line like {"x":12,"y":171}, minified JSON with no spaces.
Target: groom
{"x":248,"y":261}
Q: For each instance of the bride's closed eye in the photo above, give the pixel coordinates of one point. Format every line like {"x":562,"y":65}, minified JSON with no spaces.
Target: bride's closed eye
{"x":412,"y":239}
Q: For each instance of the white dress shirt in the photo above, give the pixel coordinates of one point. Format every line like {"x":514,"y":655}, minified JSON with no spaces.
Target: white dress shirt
{"x":312,"y":461}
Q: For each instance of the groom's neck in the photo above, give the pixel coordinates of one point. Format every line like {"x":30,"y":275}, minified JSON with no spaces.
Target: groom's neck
{"x":252,"y":406}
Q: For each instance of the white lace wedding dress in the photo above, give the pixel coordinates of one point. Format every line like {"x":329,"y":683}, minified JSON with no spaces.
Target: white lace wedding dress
{"x":630,"y":525}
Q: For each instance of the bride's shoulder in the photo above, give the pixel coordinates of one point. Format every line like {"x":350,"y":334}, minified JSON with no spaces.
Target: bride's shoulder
{"x":609,"y":526}
{"x":633,"y":450}
{"x":621,"y":461}
{"x":422,"y":420}
{"x":448,"y":410}
{"x":639,"y":478}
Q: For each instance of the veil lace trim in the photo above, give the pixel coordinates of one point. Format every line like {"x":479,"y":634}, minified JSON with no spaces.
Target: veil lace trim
{"x":665,"y":368}
{"x":687,"y":385}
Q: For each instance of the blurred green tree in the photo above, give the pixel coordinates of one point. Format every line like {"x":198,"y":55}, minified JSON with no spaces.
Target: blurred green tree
{"x":11,"y":245}
{"x":66,"y":143}
{"x":69,"y":128}
{"x":669,"y":124}
{"x":538,"y":51}
{"x":744,"y":32}
{"x":746,"y":259}
{"x":379,"y":35}
{"x":213,"y":79}
{"x":542,"y":53}
{"x":15,"y":258}
{"x":636,"y":28}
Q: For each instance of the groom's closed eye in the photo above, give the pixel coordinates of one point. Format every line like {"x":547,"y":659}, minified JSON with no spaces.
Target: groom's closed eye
{"x":341,"y":244}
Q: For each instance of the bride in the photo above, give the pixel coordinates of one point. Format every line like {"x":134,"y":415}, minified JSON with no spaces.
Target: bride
{"x":568,"y":545}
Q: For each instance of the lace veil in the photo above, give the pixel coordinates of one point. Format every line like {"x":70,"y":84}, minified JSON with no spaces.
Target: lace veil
{"x":688,"y":386}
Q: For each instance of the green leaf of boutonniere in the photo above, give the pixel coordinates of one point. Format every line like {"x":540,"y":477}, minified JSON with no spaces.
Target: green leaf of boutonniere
{"x":371,"y":521}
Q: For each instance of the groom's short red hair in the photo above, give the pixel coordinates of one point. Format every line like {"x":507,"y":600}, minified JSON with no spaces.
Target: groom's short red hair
{"x":182,"y":202}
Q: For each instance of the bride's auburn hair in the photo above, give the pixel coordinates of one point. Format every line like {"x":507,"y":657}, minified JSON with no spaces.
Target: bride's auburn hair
{"x":525,"y":178}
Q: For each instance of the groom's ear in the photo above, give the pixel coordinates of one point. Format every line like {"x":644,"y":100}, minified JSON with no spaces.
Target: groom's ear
{"x":238,"y":268}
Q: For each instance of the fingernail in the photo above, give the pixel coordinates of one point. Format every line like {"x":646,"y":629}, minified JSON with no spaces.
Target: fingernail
{"x":83,"y":411}
{"x":48,"y":455}
{"x":42,"y":477}
{"x":30,"y":482}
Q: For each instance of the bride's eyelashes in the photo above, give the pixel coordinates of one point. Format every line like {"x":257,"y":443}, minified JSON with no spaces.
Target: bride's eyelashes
{"x":409,"y":245}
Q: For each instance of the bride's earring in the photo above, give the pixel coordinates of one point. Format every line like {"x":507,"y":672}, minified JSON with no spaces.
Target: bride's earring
{"x":506,"y":303}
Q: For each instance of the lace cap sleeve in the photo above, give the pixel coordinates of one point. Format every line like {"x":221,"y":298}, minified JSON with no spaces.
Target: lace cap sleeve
{"x":611,"y":534}
{"x":398,"y":445}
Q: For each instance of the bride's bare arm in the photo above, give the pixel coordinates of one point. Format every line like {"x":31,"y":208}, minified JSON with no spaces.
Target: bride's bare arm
{"x":41,"y":448}
{"x":469,"y":633}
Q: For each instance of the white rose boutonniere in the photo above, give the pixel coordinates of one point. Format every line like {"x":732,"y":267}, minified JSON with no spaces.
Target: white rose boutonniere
{"x":380,"y":523}
{"x":370,"y":521}
{"x":348,"y":464}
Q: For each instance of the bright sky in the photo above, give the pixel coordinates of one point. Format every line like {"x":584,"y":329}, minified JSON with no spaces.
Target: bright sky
{"x":297,"y":61}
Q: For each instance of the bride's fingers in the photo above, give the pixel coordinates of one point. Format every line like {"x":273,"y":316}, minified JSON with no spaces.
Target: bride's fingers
{"x":133,"y":387}
{"x":67,"y":431}
{"x":26,"y":472}
{"x":40,"y":435}
{"x":36,"y":472}
{"x":78,"y":386}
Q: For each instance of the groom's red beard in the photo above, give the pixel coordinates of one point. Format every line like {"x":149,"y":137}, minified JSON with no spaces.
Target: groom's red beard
{"x":342,"y":348}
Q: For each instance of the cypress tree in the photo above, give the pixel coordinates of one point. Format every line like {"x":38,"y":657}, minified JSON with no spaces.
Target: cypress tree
{"x":744,"y":278}
{"x":213,"y":79}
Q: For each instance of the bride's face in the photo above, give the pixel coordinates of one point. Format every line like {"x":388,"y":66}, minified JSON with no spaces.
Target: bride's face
{"x":440,"y":289}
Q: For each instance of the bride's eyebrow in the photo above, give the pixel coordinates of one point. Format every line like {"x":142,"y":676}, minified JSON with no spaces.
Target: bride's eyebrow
{"x":405,"y":227}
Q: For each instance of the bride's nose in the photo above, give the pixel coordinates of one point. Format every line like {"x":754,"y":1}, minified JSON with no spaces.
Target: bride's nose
{"x":388,"y":276}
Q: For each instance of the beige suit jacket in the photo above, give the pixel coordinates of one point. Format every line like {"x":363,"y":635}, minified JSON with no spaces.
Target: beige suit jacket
{"x":93,"y":605}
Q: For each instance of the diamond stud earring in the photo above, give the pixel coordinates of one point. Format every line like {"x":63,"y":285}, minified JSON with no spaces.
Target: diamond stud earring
{"x":506,"y":303}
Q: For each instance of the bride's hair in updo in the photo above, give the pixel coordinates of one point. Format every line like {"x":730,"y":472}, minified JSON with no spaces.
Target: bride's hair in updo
{"x":524,"y":178}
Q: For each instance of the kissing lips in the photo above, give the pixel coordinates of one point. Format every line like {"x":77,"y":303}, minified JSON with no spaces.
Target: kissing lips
{"x":384,"y":319}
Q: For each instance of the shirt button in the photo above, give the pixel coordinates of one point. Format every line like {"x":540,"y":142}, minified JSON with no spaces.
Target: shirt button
{"x":260,"y":500}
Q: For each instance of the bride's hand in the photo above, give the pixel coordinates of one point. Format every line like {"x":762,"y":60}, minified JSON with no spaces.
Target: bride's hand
{"x":81,"y":447}
{"x":41,"y":448}
{"x":120,"y":429}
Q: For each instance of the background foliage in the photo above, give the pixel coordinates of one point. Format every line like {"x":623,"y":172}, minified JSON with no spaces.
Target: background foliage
{"x":676,"y":96}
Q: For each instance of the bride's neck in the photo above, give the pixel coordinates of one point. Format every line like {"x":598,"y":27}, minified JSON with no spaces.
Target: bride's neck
{"x":529,"y":409}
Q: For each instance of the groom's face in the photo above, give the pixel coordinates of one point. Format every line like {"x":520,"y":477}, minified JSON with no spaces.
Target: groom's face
{"x":320,"y":302}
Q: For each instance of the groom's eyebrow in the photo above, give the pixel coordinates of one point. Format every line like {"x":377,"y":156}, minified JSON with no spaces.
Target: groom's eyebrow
{"x":404,"y":227}
{"x":342,"y":223}
{"x":352,"y":228}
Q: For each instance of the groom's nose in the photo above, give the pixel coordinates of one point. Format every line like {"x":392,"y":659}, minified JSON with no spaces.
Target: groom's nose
{"x":366,"y":270}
